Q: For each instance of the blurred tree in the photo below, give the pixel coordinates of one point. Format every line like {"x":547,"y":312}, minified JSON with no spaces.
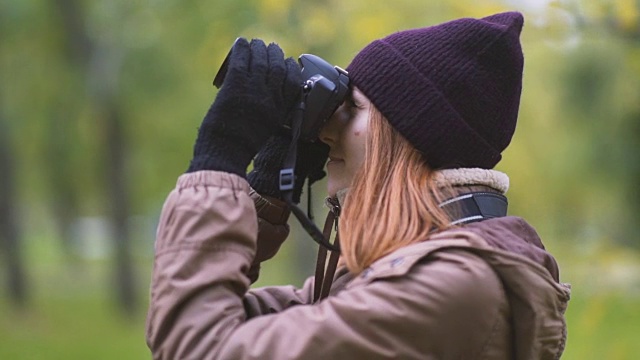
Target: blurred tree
{"x":10,"y":229}
{"x":100,"y":63}
{"x":623,"y":19}
{"x":59,"y":144}
{"x":10,"y":236}
{"x":601,"y":91}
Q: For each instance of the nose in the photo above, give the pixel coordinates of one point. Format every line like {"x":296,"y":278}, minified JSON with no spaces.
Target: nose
{"x":330,"y":131}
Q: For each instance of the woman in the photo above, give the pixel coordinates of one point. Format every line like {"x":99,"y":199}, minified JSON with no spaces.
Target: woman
{"x":430,"y":112}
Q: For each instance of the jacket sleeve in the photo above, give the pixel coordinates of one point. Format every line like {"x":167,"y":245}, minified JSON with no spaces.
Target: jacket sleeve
{"x":205,"y":245}
{"x":272,"y":232}
{"x":273,"y":229}
{"x":449,"y":306}
{"x":274,"y":299}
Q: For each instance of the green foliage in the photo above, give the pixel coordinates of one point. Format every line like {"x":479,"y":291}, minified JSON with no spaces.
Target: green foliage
{"x":574,"y":161}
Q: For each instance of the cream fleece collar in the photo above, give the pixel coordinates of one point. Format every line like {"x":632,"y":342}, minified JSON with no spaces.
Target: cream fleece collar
{"x":459,"y":177}
{"x":341,"y":194}
{"x":473,"y":176}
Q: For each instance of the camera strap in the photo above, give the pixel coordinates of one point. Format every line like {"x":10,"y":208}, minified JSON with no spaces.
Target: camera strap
{"x":287,"y":181}
{"x":324,"y":277}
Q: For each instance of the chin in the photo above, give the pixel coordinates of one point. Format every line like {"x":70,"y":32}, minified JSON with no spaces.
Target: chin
{"x":332,"y":188}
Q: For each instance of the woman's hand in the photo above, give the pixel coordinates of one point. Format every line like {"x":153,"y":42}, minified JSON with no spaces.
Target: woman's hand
{"x":260,"y":91}
{"x":310,"y":160}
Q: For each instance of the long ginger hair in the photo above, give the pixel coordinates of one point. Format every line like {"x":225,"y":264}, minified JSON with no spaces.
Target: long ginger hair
{"x":392,"y":201}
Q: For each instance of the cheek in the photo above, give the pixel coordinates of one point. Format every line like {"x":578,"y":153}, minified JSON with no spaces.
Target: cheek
{"x":357,"y":142}
{"x":358,"y":151}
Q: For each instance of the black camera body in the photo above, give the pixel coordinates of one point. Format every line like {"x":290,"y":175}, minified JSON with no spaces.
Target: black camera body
{"x":324,"y":88}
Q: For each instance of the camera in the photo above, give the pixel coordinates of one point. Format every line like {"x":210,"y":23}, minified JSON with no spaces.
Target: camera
{"x":324,"y":88}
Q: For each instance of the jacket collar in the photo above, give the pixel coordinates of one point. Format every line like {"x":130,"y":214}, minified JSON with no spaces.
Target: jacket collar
{"x":493,"y":179}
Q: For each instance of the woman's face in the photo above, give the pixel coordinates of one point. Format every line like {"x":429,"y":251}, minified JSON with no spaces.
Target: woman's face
{"x":346,"y":133}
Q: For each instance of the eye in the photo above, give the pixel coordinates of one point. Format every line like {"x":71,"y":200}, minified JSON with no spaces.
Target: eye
{"x":343,"y":113}
{"x":352,"y":112}
{"x":358,"y":100}
{"x":353,"y":106}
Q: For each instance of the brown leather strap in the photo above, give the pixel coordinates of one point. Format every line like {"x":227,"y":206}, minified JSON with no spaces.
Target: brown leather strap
{"x":273,"y":210}
{"x":322,"y":257}
{"x":317,"y":285}
{"x":331,"y":270}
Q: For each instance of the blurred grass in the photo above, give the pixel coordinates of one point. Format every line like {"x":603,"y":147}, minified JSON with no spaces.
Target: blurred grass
{"x":603,"y":327}
{"x":72,"y":314}
{"x":603,"y":315}
{"x":71,"y":327}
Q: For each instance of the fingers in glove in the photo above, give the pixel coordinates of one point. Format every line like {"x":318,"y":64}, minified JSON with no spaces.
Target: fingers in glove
{"x":277,"y":69}
{"x":273,"y":153}
{"x":258,"y":65}
{"x":239,"y":59}
{"x":265,"y":176}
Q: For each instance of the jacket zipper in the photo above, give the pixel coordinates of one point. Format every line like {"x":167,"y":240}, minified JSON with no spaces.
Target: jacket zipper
{"x":334,"y":207}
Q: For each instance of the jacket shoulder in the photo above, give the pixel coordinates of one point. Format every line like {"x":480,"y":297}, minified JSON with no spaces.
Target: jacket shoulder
{"x":446,"y":292}
{"x":403,"y":260}
{"x":447,"y":305}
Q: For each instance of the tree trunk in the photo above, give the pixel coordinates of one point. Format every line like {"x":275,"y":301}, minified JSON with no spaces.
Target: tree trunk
{"x":101,"y":65}
{"x":9,"y":219}
{"x":59,"y":171}
{"x":117,"y":191}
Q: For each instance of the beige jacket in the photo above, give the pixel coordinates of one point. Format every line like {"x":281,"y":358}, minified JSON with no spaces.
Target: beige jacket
{"x":485,"y":291}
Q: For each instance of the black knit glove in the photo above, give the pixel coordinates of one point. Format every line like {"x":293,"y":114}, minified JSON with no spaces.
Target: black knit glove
{"x":258,"y":95}
{"x":310,"y":161}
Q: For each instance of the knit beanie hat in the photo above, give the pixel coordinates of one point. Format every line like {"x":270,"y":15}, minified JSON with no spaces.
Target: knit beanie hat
{"x":452,"y":90}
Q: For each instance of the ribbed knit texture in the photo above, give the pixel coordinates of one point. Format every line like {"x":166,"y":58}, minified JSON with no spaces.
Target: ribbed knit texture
{"x":452,"y":90}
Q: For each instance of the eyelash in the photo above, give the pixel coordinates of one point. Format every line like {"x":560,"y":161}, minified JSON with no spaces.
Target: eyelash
{"x":353,"y":105}
{"x":353,"y":108}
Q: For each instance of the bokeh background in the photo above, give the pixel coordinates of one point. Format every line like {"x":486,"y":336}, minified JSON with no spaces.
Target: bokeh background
{"x":99,"y":107}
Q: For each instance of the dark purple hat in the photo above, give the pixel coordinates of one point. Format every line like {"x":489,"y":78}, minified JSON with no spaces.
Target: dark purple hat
{"x":452,"y":90}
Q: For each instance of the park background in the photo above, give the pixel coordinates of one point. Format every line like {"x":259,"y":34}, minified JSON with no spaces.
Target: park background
{"x":99,"y":107}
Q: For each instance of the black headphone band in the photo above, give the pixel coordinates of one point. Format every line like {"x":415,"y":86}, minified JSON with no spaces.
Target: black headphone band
{"x":475,"y":206}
